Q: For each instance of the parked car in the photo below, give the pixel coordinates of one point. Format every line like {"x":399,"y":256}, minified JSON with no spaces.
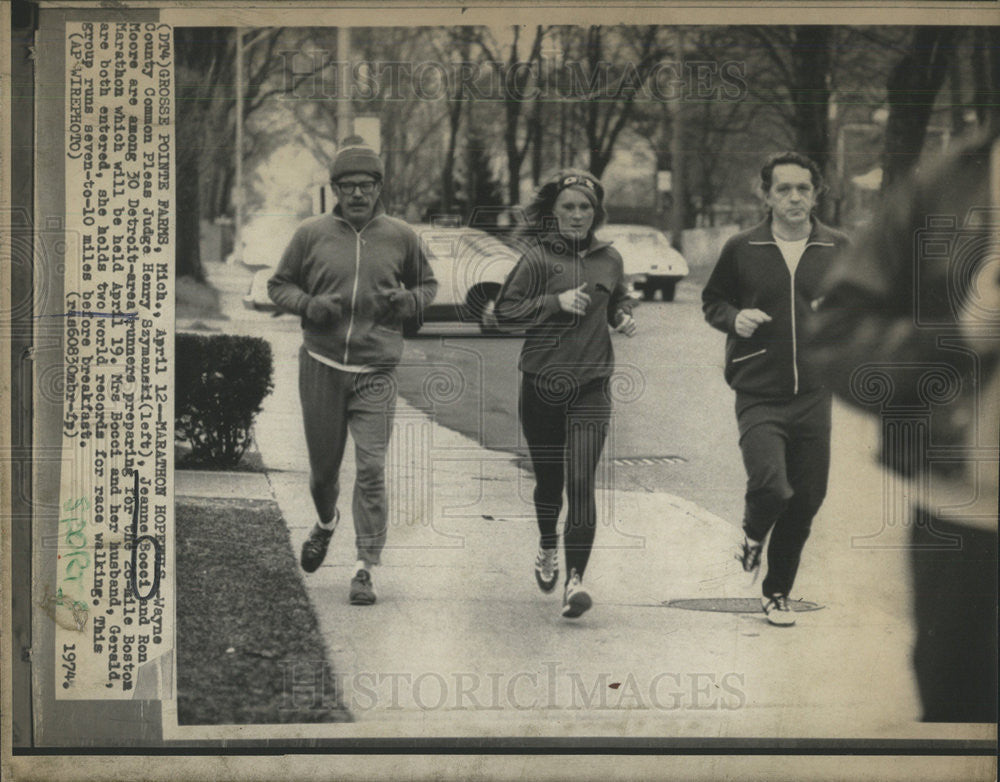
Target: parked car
{"x":650,"y":262}
{"x":265,"y":238}
{"x":470,"y":267}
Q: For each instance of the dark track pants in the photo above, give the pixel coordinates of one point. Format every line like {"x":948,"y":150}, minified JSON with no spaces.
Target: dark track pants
{"x":565,"y":427}
{"x":333,"y":403}
{"x":786,"y":452}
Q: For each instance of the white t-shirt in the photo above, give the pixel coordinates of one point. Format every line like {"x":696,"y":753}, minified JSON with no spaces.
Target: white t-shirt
{"x":792,"y":251}
{"x":337,"y":365}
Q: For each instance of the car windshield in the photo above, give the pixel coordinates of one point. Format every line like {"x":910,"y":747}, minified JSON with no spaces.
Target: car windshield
{"x":635,"y":236}
{"x":484,"y":244}
{"x":450,"y":243}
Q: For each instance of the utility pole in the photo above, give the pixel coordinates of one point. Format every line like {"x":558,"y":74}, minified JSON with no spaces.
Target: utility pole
{"x":238,"y":197}
{"x":238,"y":180}
{"x":345,"y":112}
{"x":677,"y":184}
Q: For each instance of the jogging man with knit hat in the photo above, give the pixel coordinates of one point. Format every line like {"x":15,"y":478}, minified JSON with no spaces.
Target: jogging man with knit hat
{"x":353,"y":276}
{"x":761,"y":293}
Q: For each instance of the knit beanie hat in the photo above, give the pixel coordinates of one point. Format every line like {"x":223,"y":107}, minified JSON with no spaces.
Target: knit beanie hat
{"x":357,"y":160}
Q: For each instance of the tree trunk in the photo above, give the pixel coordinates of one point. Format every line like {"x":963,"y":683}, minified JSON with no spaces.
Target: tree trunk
{"x":188,"y":222}
{"x":911,"y":88}
{"x":535,"y":134}
{"x":993,"y":53}
{"x":812,"y":60}
{"x":448,"y":171}
{"x":513,"y":158}
{"x":471,"y":174}
{"x":678,"y":183}
{"x":986,"y":74}
{"x":189,"y":145}
{"x":980,"y":74}
{"x":956,"y":100}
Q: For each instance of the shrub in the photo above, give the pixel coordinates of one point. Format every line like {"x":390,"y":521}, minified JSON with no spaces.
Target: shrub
{"x":220,"y":381}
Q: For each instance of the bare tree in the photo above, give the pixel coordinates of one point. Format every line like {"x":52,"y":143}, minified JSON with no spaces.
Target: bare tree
{"x":911,"y":89}
{"x":986,"y":75}
{"x":206,"y":104}
{"x":518,"y":84}
{"x":456,"y":52}
{"x":382,"y":83}
{"x":202,"y":68}
{"x":616,"y":62}
{"x":796,"y":82}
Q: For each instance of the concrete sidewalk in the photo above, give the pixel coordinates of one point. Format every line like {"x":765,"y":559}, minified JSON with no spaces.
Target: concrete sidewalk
{"x":462,"y":642}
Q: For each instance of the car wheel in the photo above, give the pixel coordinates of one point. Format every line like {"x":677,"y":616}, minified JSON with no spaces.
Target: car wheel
{"x":480,"y":303}
{"x":669,"y":289}
{"x":648,"y":291}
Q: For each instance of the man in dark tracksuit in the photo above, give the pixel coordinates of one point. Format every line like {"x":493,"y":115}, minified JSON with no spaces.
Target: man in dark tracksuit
{"x":353,"y":276}
{"x":763,"y":288}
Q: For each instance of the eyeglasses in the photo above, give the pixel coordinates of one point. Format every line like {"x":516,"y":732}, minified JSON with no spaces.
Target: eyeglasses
{"x":349,"y":188}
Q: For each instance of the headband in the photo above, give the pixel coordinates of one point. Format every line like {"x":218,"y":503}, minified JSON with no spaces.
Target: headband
{"x":576,"y":179}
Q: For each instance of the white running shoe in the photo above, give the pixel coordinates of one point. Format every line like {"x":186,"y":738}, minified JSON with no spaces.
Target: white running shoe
{"x":576,"y":601}
{"x":778,"y":611}
{"x":547,"y":568}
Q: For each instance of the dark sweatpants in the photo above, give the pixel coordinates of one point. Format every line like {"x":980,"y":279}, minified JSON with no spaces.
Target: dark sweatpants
{"x":566,"y":426}
{"x":786,"y":452}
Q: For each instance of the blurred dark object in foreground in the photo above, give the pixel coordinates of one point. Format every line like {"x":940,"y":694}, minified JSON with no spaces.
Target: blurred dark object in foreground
{"x":909,"y":329}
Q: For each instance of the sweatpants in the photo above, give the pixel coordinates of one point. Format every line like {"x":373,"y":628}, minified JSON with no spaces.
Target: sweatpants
{"x":333,"y":403}
{"x":565,"y":426}
{"x":786,"y":452}
{"x":954,"y":576}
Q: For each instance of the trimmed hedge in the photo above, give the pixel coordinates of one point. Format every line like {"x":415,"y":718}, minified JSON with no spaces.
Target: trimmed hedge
{"x":220,"y":381}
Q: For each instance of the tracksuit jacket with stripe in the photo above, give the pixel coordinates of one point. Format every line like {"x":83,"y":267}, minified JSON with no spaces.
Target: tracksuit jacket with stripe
{"x":751,"y":273}
{"x":328,"y":255}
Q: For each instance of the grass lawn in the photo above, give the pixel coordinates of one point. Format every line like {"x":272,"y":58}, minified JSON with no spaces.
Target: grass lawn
{"x":251,"y":461}
{"x":248,"y":644}
{"x":196,"y":300}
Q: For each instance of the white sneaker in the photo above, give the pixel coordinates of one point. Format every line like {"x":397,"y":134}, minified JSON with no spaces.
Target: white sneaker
{"x":547,"y":568}
{"x":778,"y":611}
{"x":575,"y":599}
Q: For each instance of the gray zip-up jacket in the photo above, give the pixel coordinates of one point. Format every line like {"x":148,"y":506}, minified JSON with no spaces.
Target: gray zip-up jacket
{"x":557,"y":343}
{"x":751,"y":273}
{"x":327,"y":255}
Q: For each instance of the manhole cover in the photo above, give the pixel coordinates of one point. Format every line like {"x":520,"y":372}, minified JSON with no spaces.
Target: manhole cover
{"x":524,"y":462}
{"x":635,"y":461}
{"x":735,"y":605}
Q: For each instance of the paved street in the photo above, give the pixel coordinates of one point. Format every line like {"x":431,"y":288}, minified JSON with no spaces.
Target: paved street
{"x":461,"y":642}
{"x":673,"y":420}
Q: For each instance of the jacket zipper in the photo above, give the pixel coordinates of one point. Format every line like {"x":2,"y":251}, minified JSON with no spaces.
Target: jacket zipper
{"x":354,"y":294}
{"x":354,"y":291}
{"x":795,"y":346}
{"x":791,"y":279}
